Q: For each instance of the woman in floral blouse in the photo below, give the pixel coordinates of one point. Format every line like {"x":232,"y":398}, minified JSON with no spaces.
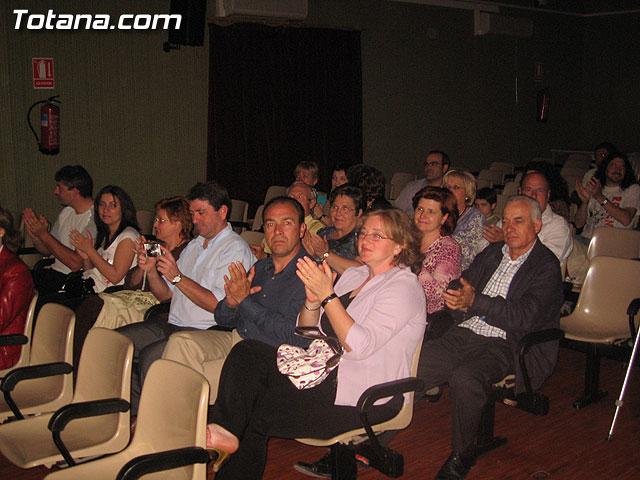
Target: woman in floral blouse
{"x":435,"y":216}
{"x":469,"y":232}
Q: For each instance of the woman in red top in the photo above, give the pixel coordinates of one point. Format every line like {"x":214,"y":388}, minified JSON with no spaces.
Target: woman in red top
{"x":16,"y":288}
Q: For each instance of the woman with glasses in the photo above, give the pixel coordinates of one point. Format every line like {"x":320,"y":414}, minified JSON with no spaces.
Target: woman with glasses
{"x":377,"y":311}
{"x":337,"y":244}
{"x":435,"y":216}
{"x":117,"y":308}
{"x":469,"y":232}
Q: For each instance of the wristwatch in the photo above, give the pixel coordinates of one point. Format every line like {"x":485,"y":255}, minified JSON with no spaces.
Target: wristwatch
{"x":604,"y":202}
{"x":176,"y":279}
{"x":325,"y":255}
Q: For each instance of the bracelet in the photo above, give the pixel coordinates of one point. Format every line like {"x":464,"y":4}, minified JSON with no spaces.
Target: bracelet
{"x":328,"y":299}
{"x":311,"y":309}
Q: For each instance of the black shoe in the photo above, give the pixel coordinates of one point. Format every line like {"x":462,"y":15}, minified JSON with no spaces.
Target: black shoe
{"x":457,"y":466}
{"x":318,"y":469}
{"x":433,"y":395}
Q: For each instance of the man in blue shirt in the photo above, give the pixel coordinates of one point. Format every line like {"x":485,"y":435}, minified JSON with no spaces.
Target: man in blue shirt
{"x":262,"y":304}
{"x":194,"y":283}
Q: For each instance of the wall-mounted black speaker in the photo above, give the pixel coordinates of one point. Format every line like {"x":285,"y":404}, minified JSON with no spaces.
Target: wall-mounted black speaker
{"x":191,"y":31}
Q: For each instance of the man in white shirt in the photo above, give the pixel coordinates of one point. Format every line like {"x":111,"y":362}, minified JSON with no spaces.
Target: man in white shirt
{"x":555,"y":233}
{"x":194,"y":283}
{"x":435,"y":166}
{"x":600,"y":152}
{"x":74,"y":188}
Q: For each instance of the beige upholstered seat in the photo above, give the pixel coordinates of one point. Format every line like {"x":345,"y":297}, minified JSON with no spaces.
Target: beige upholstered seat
{"x":399,"y":422}
{"x":239,"y":210}
{"x":600,"y":314}
{"x":25,"y":351}
{"x":52,"y":341}
{"x":252,"y":238}
{"x":166,"y":421}
{"x":614,"y":242}
{"x":496,"y":177}
{"x":577,"y":160}
{"x":507,"y":168}
{"x":104,"y":373}
{"x":274,"y":191}
{"x":256,"y":223}
{"x":510,"y":188}
{"x":398,"y":182}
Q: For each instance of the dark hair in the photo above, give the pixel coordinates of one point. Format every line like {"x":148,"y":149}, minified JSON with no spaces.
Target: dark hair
{"x":448,"y":206}
{"x":75,"y":176}
{"x":401,"y":229}
{"x":488,"y":194}
{"x":11,"y":238}
{"x":628,"y":179}
{"x":289,"y":201}
{"x":354,"y":193}
{"x":340,"y":166}
{"x":128,"y":215}
{"x":445,"y":158}
{"x":608,"y":146}
{"x":368,"y":179}
{"x":177,"y":209}
{"x":212,"y":192}
{"x":557,"y":184}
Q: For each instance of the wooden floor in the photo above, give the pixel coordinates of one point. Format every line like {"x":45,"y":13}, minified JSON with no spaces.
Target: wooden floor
{"x":566,"y":444}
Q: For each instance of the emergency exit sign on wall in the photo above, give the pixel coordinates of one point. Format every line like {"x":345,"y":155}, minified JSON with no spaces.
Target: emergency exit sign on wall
{"x":43,"y":73}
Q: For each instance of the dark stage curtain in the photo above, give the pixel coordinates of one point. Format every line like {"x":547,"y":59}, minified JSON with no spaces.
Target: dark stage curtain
{"x":278,"y":96}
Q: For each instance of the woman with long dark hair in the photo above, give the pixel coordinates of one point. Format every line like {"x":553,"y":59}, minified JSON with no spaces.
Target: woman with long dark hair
{"x":108,"y":259}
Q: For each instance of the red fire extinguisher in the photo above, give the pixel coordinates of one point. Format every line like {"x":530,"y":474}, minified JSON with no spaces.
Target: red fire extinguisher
{"x":49,"y":141}
{"x":542,"y":103}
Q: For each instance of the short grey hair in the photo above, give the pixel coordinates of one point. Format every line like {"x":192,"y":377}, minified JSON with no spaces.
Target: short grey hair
{"x":536,"y":213}
{"x":314,"y":194}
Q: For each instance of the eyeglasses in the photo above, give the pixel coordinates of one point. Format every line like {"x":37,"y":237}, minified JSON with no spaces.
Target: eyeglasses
{"x":373,"y":237}
{"x":432,"y":164}
{"x":160,"y":220}
{"x":344,"y":209}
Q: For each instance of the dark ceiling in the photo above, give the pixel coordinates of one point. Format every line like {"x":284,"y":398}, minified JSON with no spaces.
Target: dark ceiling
{"x":577,"y":6}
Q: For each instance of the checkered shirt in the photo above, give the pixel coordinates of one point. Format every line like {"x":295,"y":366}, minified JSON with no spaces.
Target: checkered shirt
{"x":498,"y":285}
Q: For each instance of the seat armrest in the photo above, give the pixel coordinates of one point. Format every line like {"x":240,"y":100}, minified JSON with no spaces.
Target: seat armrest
{"x":73,"y":411}
{"x":13,"y":339}
{"x":45,"y":262}
{"x":33,"y":371}
{"x":632,"y":311}
{"x":94,"y":408}
{"x":387,"y":389}
{"x":528,"y":341}
{"x":156,"y":462}
{"x":157,"y":309}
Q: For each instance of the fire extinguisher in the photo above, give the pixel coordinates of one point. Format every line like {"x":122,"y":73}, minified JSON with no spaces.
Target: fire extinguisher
{"x":542,"y":103}
{"x":49,"y":141}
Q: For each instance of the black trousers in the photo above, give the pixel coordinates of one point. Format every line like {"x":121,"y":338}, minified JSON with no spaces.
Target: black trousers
{"x":149,"y":339}
{"x":255,"y":402}
{"x":471,"y":364}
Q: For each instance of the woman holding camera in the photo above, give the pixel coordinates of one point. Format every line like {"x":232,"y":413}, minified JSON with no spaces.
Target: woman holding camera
{"x":173,"y":227}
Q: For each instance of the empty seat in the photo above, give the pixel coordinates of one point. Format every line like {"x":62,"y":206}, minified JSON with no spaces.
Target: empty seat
{"x":166,"y":422}
{"x":51,"y":344}
{"x":577,"y":160}
{"x":614,"y":242}
{"x":510,"y":188}
{"x":24,"y":339}
{"x":274,"y":191}
{"x":496,"y":177}
{"x":104,"y":378}
{"x":505,"y":167}
{"x":238,"y":215}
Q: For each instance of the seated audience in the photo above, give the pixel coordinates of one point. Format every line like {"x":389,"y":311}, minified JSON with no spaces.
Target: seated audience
{"x":259,"y":305}
{"x":559,"y":199}
{"x":555,"y":232}
{"x":436,"y":164}
{"x":74,"y":188}
{"x":486,"y":202}
{"x":377,"y":311}
{"x":435,"y":216}
{"x":16,"y":288}
{"x":194,"y":283}
{"x":372,"y":183}
{"x":508,"y":291}
{"x":338,"y":178}
{"x":173,"y":226}
{"x":470,"y":227}
{"x":337,"y":244}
